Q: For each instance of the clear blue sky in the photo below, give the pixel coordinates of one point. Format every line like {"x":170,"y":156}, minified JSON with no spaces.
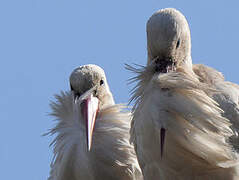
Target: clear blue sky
{"x":42,"y":41}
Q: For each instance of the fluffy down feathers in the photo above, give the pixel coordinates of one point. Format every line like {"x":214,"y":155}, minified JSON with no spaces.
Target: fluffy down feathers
{"x":111,"y":156}
{"x":196,"y":144}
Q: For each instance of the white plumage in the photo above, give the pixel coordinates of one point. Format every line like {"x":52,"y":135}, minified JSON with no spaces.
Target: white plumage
{"x":111,"y":157}
{"x":184,"y":115}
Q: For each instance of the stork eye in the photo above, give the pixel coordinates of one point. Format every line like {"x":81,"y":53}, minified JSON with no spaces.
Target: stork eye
{"x":101,"y":82}
{"x":178,"y":43}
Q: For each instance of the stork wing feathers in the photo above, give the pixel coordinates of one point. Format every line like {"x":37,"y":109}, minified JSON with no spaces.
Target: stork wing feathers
{"x":192,"y":117}
{"x":227,"y":97}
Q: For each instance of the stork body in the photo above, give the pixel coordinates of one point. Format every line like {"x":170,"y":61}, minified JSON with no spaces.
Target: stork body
{"x":179,"y":128}
{"x":85,"y":151}
{"x":226,"y":95}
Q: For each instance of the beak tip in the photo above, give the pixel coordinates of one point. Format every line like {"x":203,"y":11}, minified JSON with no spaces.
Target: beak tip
{"x":89,"y":148}
{"x":162,"y":139}
{"x":89,"y":144}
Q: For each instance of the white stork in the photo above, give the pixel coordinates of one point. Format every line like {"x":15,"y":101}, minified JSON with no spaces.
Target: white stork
{"x":92,"y":133}
{"x":185,"y":116}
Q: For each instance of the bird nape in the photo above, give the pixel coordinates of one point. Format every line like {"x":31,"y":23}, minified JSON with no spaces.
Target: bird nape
{"x":92,"y":132}
{"x":185,"y":116}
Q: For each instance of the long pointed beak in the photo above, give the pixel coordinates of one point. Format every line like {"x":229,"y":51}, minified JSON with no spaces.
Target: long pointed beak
{"x":90,"y":112}
{"x":162,"y":138}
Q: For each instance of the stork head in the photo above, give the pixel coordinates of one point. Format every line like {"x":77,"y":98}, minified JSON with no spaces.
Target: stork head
{"x":168,"y":40}
{"x":89,"y":86}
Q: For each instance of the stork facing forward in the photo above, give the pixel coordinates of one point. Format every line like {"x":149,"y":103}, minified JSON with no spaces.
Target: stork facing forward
{"x":185,"y":116}
{"x":92,"y":133}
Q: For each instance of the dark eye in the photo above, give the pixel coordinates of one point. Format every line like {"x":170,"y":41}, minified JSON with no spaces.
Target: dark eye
{"x":101,"y":82}
{"x":178,"y":43}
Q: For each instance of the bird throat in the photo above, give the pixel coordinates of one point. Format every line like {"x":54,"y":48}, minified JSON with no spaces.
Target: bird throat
{"x":165,"y":65}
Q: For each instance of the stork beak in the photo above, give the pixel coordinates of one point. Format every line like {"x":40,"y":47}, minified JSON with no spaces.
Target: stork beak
{"x":162,"y":138}
{"x":90,"y":110}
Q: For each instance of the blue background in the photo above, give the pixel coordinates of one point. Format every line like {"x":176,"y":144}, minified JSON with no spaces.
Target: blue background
{"x":42,"y":41}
